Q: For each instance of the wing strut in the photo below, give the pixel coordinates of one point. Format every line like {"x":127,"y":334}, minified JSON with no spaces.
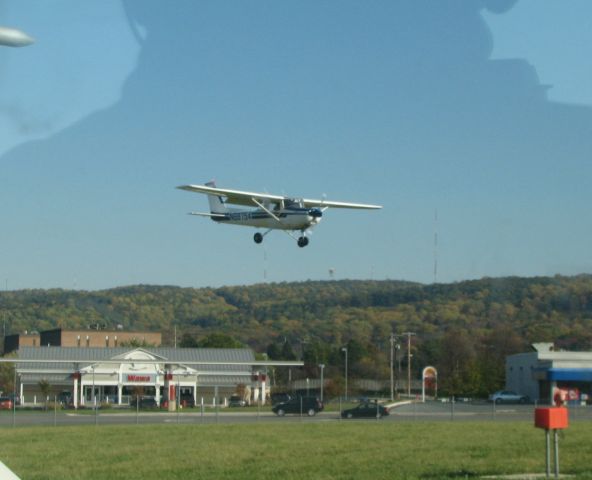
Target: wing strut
{"x":267,"y":210}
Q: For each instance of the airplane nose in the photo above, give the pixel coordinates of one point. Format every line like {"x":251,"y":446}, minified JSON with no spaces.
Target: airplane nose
{"x":315,"y":213}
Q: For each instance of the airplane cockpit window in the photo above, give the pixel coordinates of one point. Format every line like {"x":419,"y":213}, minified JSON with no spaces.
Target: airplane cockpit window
{"x":293,"y":203}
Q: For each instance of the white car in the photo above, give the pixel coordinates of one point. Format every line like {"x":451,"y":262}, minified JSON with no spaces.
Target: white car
{"x":507,"y":396}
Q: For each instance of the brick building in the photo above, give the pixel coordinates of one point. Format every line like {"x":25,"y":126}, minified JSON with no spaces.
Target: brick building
{"x":14,"y":342}
{"x":81,"y":338}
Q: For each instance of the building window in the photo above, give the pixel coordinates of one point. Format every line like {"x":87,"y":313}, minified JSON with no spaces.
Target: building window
{"x":107,"y":341}
{"x":78,"y":341}
{"x":34,"y":342}
{"x":115,"y":341}
{"x":87,"y":341}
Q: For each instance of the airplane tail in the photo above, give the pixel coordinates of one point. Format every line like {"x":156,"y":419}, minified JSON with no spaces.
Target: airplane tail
{"x":217,"y":204}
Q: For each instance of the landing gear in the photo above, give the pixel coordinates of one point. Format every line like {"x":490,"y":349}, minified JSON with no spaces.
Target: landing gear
{"x":258,"y":238}
{"x":302,"y":241}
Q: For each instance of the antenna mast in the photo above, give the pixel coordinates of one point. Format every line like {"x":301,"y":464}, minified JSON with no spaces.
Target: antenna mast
{"x":435,"y":245}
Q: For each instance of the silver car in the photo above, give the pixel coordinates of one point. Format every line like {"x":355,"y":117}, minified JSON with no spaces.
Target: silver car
{"x":507,"y":396}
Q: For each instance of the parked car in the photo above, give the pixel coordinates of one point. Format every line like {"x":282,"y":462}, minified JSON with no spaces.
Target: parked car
{"x":144,"y":402}
{"x":507,"y":396}
{"x":308,"y":405}
{"x":6,"y":403}
{"x":366,"y":410}
{"x":279,"y":397}
{"x":236,"y":401}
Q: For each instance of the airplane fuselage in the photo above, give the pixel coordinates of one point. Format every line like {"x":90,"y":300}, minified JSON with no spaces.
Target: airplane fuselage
{"x":291,"y":218}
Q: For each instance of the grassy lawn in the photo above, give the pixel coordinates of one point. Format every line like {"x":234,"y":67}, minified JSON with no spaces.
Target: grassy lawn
{"x":324,"y":450}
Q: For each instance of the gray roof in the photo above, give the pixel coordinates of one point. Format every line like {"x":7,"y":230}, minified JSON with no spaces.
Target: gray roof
{"x":92,"y":355}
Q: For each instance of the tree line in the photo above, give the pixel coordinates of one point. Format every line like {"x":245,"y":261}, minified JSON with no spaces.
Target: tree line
{"x":464,"y":329}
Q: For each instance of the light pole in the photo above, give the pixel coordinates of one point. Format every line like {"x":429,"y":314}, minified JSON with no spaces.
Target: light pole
{"x":397,"y":361}
{"x":322,"y":367}
{"x":344,"y":349}
{"x":95,"y":397}
{"x":409,"y":334}
{"x":392,"y":340}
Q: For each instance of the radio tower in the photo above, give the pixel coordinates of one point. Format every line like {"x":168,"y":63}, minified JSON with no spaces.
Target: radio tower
{"x":435,"y":245}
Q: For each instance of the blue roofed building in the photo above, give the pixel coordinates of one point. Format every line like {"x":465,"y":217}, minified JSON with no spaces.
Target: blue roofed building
{"x":546,"y":371}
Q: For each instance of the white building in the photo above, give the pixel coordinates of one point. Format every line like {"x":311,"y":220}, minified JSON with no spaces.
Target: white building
{"x":110,"y":375}
{"x":541,"y":372}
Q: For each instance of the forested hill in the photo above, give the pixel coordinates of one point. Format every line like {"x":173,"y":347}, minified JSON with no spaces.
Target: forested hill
{"x":538,"y":309}
{"x":464,"y":328}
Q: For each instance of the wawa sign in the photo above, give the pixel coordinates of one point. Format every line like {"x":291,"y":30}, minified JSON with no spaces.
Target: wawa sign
{"x":136,"y":378}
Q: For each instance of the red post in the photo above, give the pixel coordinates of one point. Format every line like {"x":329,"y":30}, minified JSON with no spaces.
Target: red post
{"x":553,"y":418}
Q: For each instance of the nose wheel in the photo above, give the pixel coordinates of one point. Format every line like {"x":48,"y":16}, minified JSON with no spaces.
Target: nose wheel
{"x":302,"y":241}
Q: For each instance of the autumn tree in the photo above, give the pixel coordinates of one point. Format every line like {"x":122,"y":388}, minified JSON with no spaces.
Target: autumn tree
{"x":457,"y":369}
{"x":219,"y":340}
{"x":7,"y":375}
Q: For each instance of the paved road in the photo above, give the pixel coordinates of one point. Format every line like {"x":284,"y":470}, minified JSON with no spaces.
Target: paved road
{"x":87,"y":418}
{"x":459,"y":411}
{"x":432,"y":411}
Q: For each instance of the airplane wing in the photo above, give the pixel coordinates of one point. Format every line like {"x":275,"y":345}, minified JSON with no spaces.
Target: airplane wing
{"x":326,"y":204}
{"x":253,"y":199}
{"x":235,"y":197}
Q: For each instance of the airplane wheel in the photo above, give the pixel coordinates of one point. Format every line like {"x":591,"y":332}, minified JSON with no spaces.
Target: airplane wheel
{"x":302,"y":242}
{"x":258,"y":237}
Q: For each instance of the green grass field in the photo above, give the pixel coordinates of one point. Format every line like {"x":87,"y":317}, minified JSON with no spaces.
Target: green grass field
{"x":327,"y":450}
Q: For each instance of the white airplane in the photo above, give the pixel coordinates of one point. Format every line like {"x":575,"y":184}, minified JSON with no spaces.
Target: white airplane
{"x":272,"y":212}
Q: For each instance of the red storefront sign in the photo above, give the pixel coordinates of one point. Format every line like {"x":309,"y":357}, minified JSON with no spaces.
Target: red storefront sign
{"x":139,"y":378}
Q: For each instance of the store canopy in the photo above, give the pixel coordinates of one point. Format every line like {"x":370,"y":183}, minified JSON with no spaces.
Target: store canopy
{"x":569,"y":374}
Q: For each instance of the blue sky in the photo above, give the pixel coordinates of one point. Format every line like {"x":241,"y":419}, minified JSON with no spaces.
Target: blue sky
{"x":480,"y":110}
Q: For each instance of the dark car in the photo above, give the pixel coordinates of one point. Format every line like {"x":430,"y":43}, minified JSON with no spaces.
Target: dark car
{"x":366,"y":410}
{"x":145,"y":402}
{"x":236,"y":401}
{"x":280,"y":397}
{"x":308,"y":405}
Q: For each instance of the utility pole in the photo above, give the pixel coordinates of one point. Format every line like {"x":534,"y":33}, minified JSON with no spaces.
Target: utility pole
{"x":322,"y":367}
{"x":408,"y":334}
{"x":344,"y":349}
{"x":393,"y":339}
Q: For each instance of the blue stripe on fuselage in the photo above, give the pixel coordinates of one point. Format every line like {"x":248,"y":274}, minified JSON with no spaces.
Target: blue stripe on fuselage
{"x":257,"y":215}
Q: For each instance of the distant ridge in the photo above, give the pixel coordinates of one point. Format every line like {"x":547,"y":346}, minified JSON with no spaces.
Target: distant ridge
{"x":257,"y":314}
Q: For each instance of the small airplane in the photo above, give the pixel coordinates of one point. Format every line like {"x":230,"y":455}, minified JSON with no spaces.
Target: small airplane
{"x":273,"y":212}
